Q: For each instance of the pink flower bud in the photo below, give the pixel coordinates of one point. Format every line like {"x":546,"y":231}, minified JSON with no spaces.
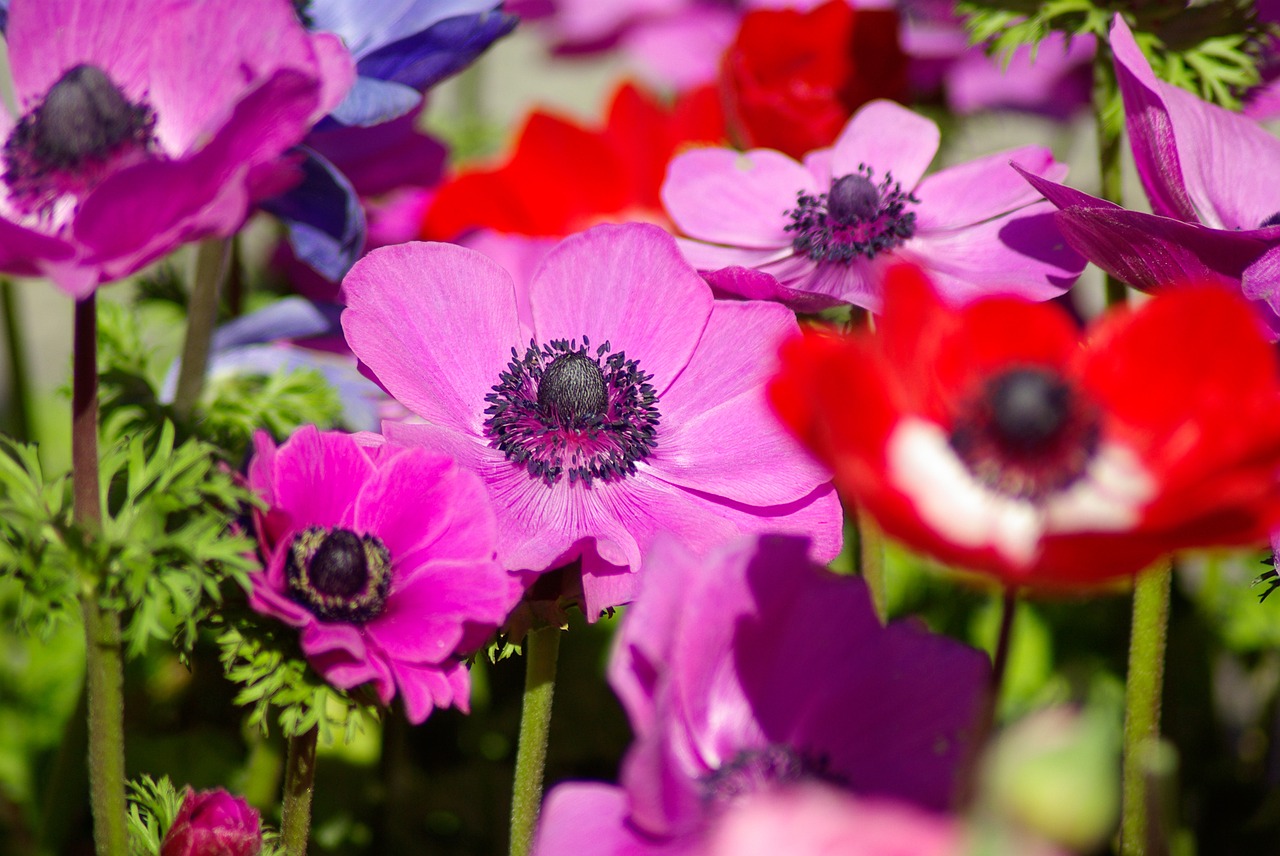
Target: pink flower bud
{"x":213,"y":823}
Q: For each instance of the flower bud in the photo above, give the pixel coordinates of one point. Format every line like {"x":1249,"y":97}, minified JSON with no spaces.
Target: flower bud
{"x":213,"y":823}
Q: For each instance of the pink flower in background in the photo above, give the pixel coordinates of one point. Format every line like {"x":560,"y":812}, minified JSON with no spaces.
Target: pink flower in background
{"x":626,"y":403}
{"x":143,"y":125}
{"x":213,"y":823}
{"x":751,"y":672}
{"x":383,"y":558}
{"x":825,"y":231}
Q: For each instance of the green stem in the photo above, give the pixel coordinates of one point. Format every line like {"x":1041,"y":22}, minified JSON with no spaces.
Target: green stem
{"x":871,"y":562}
{"x":299,"y":785}
{"x":986,"y":724}
{"x":1143,"y":692}
{"x":202,"y":313}
{"x":104,"y":659}
{"x":1107,"y":112}
{"x":541,"y":648}
{"x":19,"y":373}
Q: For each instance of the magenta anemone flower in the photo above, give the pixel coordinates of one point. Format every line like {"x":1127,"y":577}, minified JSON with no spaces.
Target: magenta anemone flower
{"x":827,"y":229}
{"x":142,"y":125}
{"x":752,"y":671}
{"x":1213,"y":218}
{"x":383,"y":558}
{"x":627,"y":404}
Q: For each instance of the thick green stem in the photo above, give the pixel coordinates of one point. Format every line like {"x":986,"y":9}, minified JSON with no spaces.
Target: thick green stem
{"x":1108,"y":112}
{"x":1143,"y":692}
{"x":202,"y":313}
{"x":19,"y":372}
{"x":104,"y":659}
{"x":871,"y":562}
{"x":299,"y":785}
{"x":541,"y":649}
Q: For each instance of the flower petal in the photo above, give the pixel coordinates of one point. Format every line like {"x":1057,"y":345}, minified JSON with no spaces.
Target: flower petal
{"x":735,"y":198}
{"x":435,"y":323}
{"x":982,"y":189}
{"x":627,"y":285}
{"x":889,"y":138}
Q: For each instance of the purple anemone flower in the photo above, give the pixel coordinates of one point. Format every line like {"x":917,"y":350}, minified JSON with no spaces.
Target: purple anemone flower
{"x":1213,"y":219}
{"x":629,"y":403}
{"x":384,"y":559}
{"x":752,"y":671}
{"x":827,"y":229}
{"x":404,"y":47}
{"x":141,"y":126}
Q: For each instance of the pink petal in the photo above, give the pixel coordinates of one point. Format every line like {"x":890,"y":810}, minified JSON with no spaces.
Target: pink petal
{"x":888,"y":138}
{"x":717,"y":434}
{"x":586,"y":817}
{"x":436,"y":324}
{"x":983,"y":189}
{"x":312,"y":458}
{"x":735,"y":198}
{"x":48,"y":37}
{"x":627,"y":285}
{"x":425,"y":689}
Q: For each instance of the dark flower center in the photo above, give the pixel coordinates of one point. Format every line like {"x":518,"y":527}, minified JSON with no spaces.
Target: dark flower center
{"x":1027,"y":433}
{"x":83,"y":122}
{"x":338,"y":575}
{"x":1273,"y":220}
{"x":855,"y":218}
{"x":573,"y":387}
{"x":752,"y":771}
{"x":560,"y":409}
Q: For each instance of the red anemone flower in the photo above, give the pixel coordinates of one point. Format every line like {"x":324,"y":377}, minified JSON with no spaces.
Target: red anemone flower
{"x":563,"y":178}
{"x":791,"y":78}
{"x":997,"y":438}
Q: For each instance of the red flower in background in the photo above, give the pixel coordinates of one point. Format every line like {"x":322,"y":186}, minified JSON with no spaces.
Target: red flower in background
{"x":791,"y":79}
{"x":563,"y":178}
{"x":992,"y":437}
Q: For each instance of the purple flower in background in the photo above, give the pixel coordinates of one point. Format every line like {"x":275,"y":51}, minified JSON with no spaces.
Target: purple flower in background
{"x":1213,"y":218}
{"x":827,"y":229}
{"x":384,"y":559}
{"x":751,"y":671}
{"x":629,"y":403}
{"x":213,"y":823}
{"x":141,"y":126}
{"x":404,"y":47}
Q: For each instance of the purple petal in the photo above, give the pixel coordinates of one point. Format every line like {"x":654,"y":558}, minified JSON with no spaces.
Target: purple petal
{"x":1145,"y":250}
{"x":627,"y":285}
{"x":435,"y":323}
{"x":423,"y":689}
{"x":371,"y":102}
{"x":424,"y":58}
{"x":889,"y":138}
{"x":735,"y":198}
{"x":323,"y":216}
{"x":718,"y":434}
{"x":384,"y":158}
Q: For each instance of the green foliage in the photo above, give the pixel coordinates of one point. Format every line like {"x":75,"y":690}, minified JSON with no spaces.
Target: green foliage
{"x":264,"y":658}
{"x":165,"y":543}
{"x":1212,"y":52}
{"x":235,"y":406}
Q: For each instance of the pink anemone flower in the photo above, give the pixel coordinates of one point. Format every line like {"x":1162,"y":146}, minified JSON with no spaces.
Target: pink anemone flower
{"x":627,"y":403}
{"x":384,"y":559}
{"x":823,"y":233}
{"x":143,"y":125}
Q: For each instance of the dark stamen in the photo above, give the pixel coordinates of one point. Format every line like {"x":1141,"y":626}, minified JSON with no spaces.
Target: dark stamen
{"x":83,"y":114}
{"x":339,"y":567}
{"x":338,"y":575}
{"x":573,"y":386}
{"x":852,"y":198}
{"x":1029,"y":408}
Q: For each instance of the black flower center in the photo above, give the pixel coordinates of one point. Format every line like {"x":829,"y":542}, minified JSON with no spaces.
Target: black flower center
{"x":855,"y":218}
{"x":338,"y":575}
{"x":752,"y":771}
{"x":1027,"y":433}
{"x":1273,"y":220}
{"x":83,"y":122}
{"x":561,"y":409}
{"x":573,"y":387}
